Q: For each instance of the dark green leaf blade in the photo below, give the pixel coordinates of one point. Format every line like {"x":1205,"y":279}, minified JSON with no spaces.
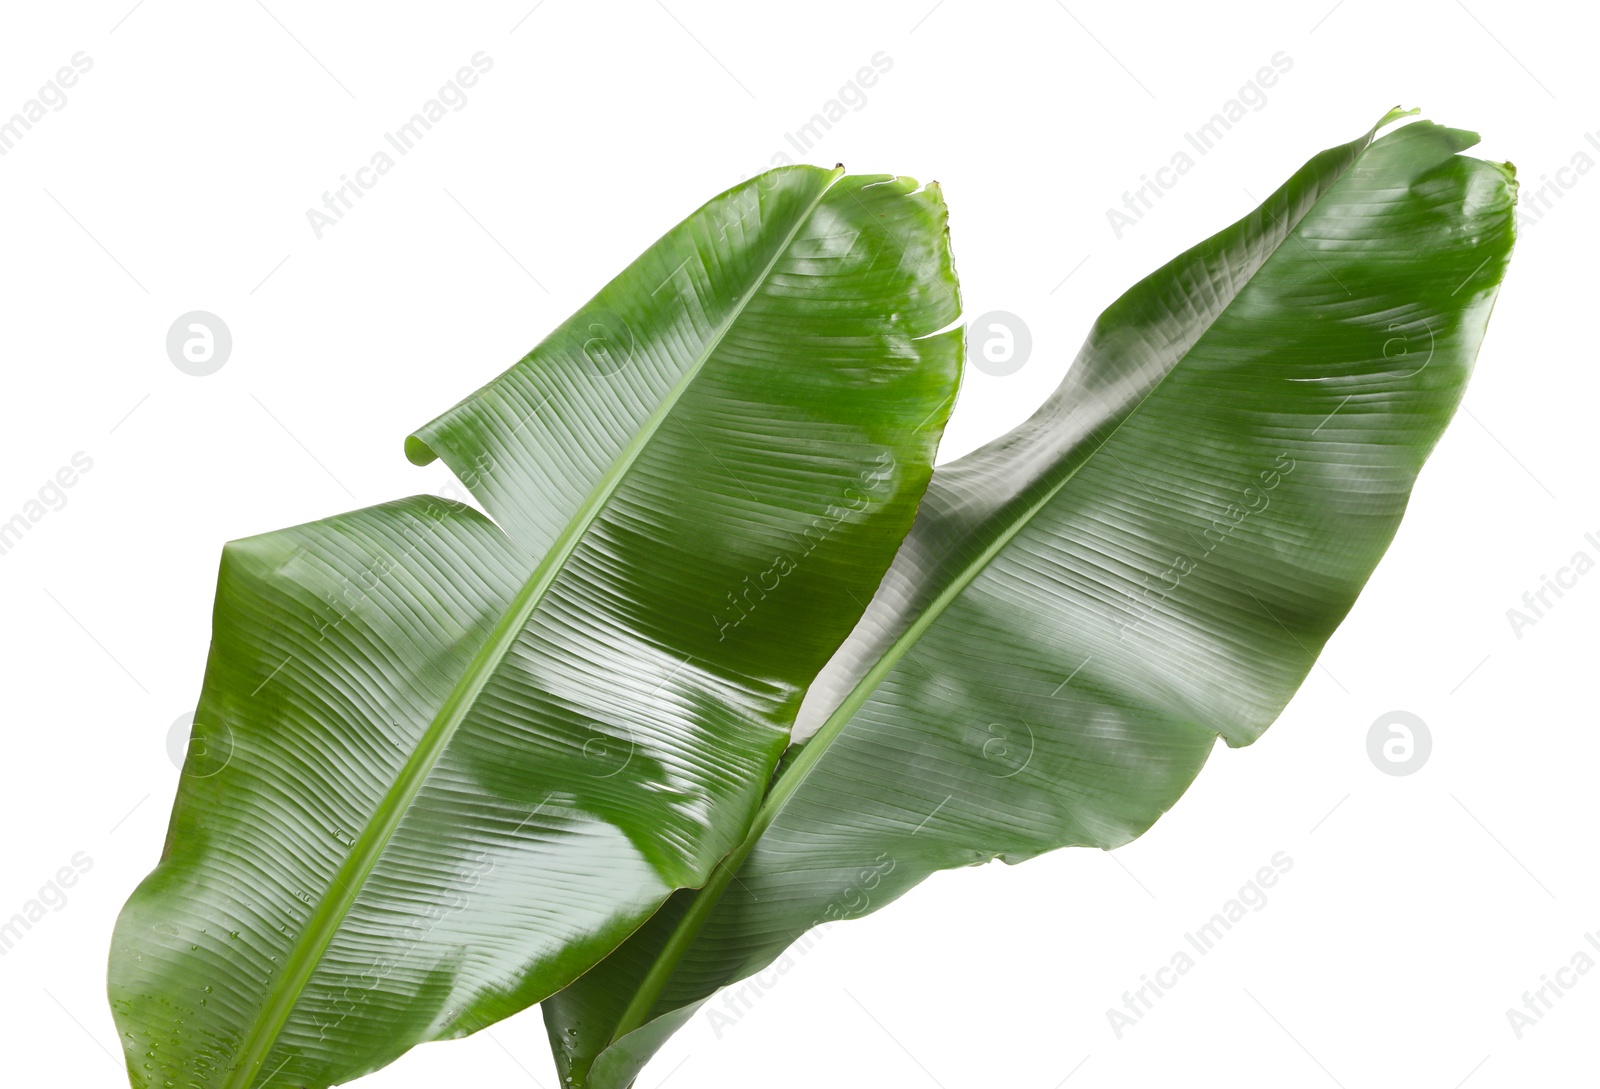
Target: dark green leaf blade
{"x":443,"y":765}
{"x":1086,"y":604}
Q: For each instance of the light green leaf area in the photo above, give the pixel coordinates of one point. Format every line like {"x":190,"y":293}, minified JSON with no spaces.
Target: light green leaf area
{"x":443,"y":764}
{"x":1085,"y":605}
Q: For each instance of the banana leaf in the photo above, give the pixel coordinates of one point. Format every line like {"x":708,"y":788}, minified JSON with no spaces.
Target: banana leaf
{"x":441,"y":764}
{"x":1085,"y":605}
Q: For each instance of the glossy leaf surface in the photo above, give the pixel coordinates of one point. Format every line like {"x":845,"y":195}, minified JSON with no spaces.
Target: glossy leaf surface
{"x":1086,"y":604}
{"x":442,"y":764}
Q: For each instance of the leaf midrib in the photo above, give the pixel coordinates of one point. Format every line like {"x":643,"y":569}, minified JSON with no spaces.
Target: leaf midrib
{"x":636,"y":1014}
{"x":852,"y":703}
{"x":369,"y":846}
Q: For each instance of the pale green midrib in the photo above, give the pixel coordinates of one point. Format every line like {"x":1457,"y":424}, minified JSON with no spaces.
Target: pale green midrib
{"x":363,"y":857}
{"x":812,"y":750}
{"x":834,"y":725}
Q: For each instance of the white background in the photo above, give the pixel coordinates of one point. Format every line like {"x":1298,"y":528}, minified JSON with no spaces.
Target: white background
{"x":177,"y":178}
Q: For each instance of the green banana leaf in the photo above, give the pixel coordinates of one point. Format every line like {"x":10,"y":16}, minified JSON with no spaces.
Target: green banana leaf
{"x":442,"y":764}
{"x":1084,"y":605}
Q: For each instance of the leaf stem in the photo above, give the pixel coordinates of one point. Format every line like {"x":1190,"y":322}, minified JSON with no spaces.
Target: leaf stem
{"x":707,"y":897}
{"x":811,"y":752}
